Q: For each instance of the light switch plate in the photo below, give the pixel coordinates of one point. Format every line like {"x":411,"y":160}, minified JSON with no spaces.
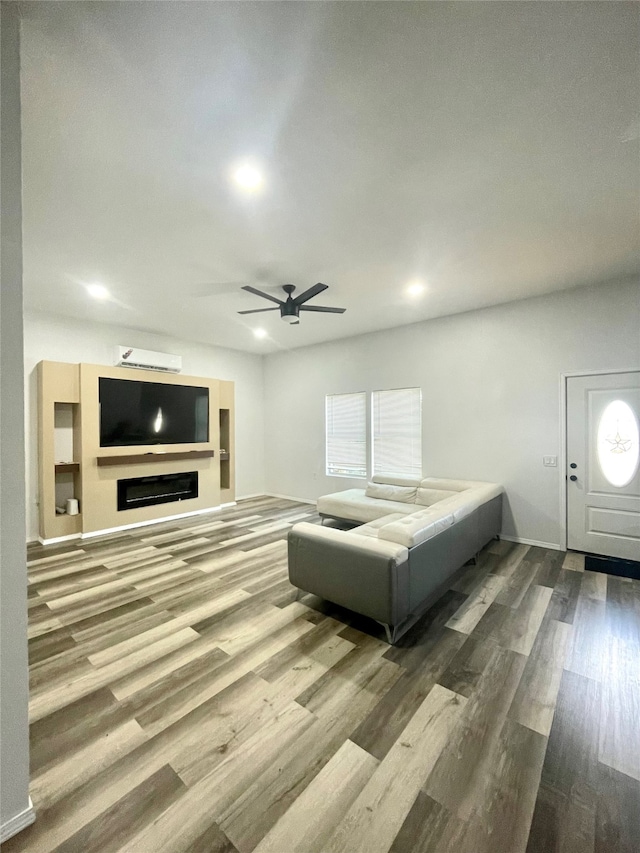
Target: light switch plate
{"x":550,"y":461}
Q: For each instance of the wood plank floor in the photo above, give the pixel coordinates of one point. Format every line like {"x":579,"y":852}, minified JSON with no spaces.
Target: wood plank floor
{"x":182,"y":700}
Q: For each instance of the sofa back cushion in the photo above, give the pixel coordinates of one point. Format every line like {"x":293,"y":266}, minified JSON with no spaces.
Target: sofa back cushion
{"x":427,"y":497}
{"x":392,"y":480}
{"x":389,"y":492}
{"x":449,"y":485}
{"x":371,"y":529}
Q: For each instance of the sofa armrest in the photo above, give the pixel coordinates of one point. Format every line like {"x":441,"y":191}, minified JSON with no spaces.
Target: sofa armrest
{"x":363,"y":574}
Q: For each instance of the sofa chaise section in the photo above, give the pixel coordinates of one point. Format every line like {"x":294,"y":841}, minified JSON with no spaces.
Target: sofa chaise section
{"x":382,"y":496}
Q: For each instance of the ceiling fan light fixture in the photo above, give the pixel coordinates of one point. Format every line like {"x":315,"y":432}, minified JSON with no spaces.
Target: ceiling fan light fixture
{"x":290,"y":319}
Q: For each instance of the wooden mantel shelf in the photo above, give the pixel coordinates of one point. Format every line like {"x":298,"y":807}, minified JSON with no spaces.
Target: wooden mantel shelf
{"x":67,"y":467}
{"x":141,"y":458}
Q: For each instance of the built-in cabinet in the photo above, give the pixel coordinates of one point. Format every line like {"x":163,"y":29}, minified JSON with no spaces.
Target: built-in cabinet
{"x":59,"y":452}
{"x":74,"y":467}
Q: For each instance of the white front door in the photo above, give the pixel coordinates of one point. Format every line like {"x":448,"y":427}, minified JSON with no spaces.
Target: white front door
{"x":603,"y":470}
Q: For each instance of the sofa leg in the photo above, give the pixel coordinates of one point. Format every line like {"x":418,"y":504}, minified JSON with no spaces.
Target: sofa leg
{"x":300,"y":593}
{"x":392,"y":633}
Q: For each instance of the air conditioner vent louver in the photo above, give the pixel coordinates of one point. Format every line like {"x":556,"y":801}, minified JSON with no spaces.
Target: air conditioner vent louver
{"x":147,"y":367}
{"x":147,"y":360}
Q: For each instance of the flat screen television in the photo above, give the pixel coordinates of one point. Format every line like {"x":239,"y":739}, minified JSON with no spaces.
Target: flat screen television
{"x":134,"y":412}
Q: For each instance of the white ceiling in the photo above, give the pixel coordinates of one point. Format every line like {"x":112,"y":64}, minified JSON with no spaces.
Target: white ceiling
{"x":489,"y":149}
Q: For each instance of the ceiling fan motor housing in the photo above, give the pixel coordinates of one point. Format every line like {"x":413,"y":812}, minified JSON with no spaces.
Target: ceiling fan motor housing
{"x":289,"y":311}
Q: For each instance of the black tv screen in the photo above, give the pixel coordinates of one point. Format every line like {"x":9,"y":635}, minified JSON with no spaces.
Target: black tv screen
{"x":134,"y":412}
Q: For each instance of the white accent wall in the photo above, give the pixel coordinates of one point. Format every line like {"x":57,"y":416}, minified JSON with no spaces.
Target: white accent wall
{"x":491,"y":401}
{"x":55,"y":338}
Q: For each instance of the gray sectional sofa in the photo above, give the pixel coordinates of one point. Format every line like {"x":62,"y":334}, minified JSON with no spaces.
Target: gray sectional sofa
{"x":413,"y":535}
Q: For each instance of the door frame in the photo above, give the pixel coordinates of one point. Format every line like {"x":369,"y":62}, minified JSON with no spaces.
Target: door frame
{"x":562,"y":468}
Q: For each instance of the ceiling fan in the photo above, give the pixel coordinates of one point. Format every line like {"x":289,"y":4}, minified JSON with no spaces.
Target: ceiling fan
{"x":291,"y":307}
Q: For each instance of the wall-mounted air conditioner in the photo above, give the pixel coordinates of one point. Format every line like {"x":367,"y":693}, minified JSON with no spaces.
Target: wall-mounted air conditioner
{"x":147,"y":360}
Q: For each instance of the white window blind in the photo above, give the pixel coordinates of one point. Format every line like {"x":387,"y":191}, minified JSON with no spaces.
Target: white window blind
{"x":396,"y":418}
{"x":346,"y":422}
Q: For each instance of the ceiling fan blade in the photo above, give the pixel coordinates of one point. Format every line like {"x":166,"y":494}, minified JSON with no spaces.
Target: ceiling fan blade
{"x":214,"y":288}
{"x":309,"y":294}
{"x":257,"y":310}
{"x":322,"y":308}
{"x":260,"y":293}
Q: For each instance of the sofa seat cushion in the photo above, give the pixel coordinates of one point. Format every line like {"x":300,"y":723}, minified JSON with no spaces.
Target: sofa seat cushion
{"x":424,"y":524}
{"x":372,"y":527}
{"x":354,"y":505}
{"x":416,"y":528}
{"x":391,"y":492}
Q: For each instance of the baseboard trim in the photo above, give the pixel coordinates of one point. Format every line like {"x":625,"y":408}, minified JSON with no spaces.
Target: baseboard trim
{"x":17,"y":823}
{"x":92,"y":533}
{"x":535,"y":542}
{"x":57,"y":539}
{"x":290,"y":498}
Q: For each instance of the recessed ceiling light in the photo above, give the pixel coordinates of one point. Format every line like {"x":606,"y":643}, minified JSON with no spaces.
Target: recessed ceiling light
{"x":415,"y":288}
{"x":260,"y":333}
{"x":248,"y":177}
{"x":98,"y":291}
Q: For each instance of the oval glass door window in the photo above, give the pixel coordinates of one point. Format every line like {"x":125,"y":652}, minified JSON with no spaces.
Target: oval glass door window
{"x":617,"y":443}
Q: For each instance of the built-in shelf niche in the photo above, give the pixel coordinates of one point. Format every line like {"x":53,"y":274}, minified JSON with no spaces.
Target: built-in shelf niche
{"x":225,"y":461}
{"x":65,"y":490}
{"x":63,"y":421}
{"x":66,"y":469}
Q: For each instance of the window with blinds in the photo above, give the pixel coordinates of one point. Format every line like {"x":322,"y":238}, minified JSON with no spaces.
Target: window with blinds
{"x":346,"y":425}
{"x":396,"y":429}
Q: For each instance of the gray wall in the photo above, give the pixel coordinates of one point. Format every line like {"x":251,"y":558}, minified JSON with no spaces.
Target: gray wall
{"x":490,"y":384}
{"x":64,"y":339}
{"x":14,"y":687}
